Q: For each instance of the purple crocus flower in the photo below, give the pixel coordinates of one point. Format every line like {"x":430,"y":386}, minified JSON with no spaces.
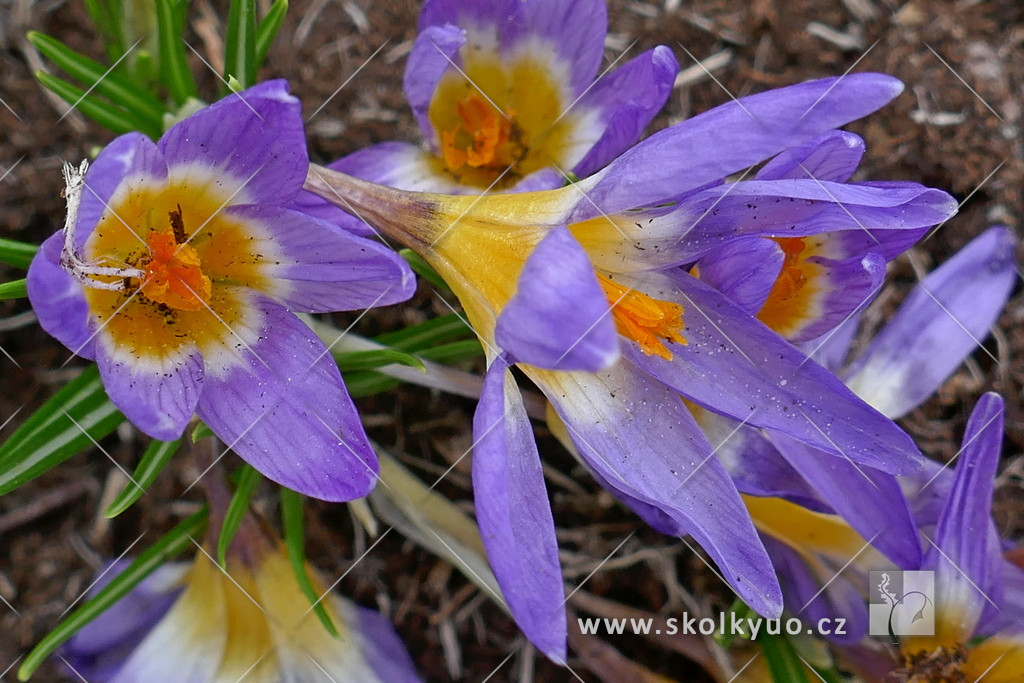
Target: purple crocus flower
{"x":965,"y":555}
{"x":507,"y":96}
{"x":936,"y":328}
{"x":198,"y":622}
{"x":803,"y":287}
{"x":587,"y":289}
{"x":178,"y":271}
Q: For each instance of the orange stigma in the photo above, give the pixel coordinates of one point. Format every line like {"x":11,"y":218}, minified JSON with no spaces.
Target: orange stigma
{"x":649,"y":322}
{"x":173,"y":273}
{"x":481,"y":139}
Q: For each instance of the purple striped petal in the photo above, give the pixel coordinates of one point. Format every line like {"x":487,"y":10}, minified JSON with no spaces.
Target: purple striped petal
{"x":831,"y":350}
{"x":639,"y":437}
{"x":573,"y":30}
{"x":736,"y":366}
{"x":869,"y":218}
{"x":126,"y":163}
{"x":628,"y":99}
{"x":834,"y":156}
{"x":809,"y":598}
{"x":253,"y":141}
{"x":941,"y":323}
{"x":965,"y":553}
{"x":157,"y":395}
{"x":99,"y":649}
{"x":382,"y":648}
{"x":798,"y":208}
{"x":58,"y":300}
{"x":885,"y":522}
{"x":322,"y":269}
{"x":837,"y":290}
{"x":730,"y":138}
{"x":744,"y":270}
{"x":435,"y":50}
{"x":559,"y":317}
{"x":284,"y":409}
{"x":514,"y":513}
{"x":755,"y":465}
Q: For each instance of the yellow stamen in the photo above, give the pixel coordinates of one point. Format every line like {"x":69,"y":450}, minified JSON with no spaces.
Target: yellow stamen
{"x":481,"y":137}
{"x":649,"y":322}
{"x":793,"y":295}
{"x":173,"y":273}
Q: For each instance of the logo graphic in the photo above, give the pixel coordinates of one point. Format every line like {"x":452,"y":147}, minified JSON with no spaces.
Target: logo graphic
{"x":901,"y":603}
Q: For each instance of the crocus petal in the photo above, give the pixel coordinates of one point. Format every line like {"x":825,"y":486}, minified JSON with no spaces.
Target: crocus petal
{"x":157,"y":394}
{"x":383,"y":650}
{"x":514,"y":513}
{"x":831,"y":350}
{"x":832,"y":292}
{"x":253,"y":140}
{"x":744,"y":270}
{"x":730,"y":138}
{"x":435,"y":50}
{"x":834,"y":156}
{"x":640,"y":438}
{"x":939,"y":324}
{"x":189,"y":642}
{"x":737,"y":367}
{"x":755,"y":465}
{"x":628,"y":99}
{"x":126,"y":163}
{"x":573,"y":30}
{"x":872,"y":218}
{"x":58,"y":300}
{"x":284,"y":409}
{"x":322,"y":269}
{"x":99,"y":649}
{"x":967,"y":567}
{"x":559,"y":316}
{"x":886,"y":522}
{"x":808,"y":598}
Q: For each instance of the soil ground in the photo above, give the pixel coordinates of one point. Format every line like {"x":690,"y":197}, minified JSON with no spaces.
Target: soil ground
{"x":957,"y":126}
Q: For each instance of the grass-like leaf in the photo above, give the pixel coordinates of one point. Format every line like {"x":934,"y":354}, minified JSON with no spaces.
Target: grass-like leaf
{"x":174,"y":71}
{"x":367,"y":382}
{"x":349,"y":361}
{"x":112,"y":118}
{"x":240,"y":43}
{"x":294,"y":540}
{"x":17,"y":254}
{"x":14,"y":289}
{"x":113,"y":86}
{"x":170,"y":545}
{"x":268,"y":28}
{"x":105,"y":15}
{"x":248,"y":480}
{"x":150,"y":466}
{"x":783,"y":664}
{"x":71,"y":421}
{"x":426,"y":334}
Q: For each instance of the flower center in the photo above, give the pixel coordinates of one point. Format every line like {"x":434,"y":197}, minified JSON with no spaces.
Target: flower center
{"x":174,"y":277}
{"x":649,"y":322}
{"x":941,"y":664}
{"x":481,"y":136}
